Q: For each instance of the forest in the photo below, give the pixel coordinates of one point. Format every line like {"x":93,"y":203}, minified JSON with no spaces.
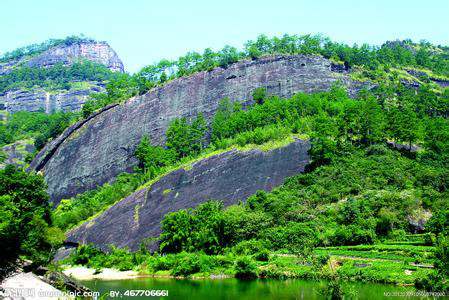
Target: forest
{"x":377,"y":161}
{"x":54,"y":77}
{"x":359,"y":191}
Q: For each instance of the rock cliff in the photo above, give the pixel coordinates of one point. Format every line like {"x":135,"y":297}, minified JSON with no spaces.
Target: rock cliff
{"x":72,"y":100}
{"x":40,"y":100}
{"x":99,"y":52}
{"x":231,"y":177}
{"x":104,"y":145}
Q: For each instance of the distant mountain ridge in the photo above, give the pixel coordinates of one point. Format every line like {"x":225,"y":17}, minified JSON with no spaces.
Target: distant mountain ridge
{"x":24,"y":75}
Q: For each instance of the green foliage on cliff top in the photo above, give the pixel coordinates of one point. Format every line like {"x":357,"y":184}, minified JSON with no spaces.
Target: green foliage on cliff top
{"x":57,"y":77}
{"x":388,"y":62}
{"x":35,"y":49}
{"x":350,"y":124}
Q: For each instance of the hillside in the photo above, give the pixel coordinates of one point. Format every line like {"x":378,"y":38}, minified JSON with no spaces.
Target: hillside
{"x":103,"y":146}
{"x":55,"y":75}
{"x":297,"y":157}
{"x":55,"y":78}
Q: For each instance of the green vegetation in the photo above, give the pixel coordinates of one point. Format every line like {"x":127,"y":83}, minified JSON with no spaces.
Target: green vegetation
{"x":34,"y":125}
{"x":57,"y":77}
{"x":25,"y":223}
{"x":352,"y":204}
{"x":249,"y":265}
{"x":71,"y":212}
{"x":345,"y":134}
{"x":388,"y":63}
{"x":379,"y":167}
{"x":35,"y":49}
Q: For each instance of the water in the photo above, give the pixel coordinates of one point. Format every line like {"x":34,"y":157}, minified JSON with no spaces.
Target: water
{"x":235,"y":289}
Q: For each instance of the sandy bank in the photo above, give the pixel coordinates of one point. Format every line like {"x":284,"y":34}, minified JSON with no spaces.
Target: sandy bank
{"x":83,"y":273}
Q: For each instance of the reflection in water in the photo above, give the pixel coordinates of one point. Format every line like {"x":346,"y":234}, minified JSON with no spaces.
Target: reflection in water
{"x":224,"y":289}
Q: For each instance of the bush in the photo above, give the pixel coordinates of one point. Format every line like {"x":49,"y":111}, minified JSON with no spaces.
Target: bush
{"x":259,"y":94}
{"x":249,"y":247}
{"x":245,"y":268}
{"x":186,"y":265}
{"x":262,"y":255}
{"x":83,"y":254}
{"x":352,"y":235}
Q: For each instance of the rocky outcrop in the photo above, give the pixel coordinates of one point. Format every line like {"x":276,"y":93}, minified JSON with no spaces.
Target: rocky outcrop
{"x":99,"y":52}
{"x":16,"y":153}
{"x":28,"y":286}
{"x":104,"y":146}
{"x":420,"y":74}
{"x":37,"y":99}
{"x":230,"y":177}
{"x":41,"y":100}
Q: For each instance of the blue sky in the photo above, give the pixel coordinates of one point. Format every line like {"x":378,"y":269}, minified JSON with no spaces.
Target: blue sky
{"x":143,"y":32}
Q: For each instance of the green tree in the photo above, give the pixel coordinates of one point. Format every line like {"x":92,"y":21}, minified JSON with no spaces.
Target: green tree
{"x":200,"y":229}
{"x":152,"y":158}
{"x":439,"y":223}
{"x":437,"y":136}
{"x":323,"y":144}
{"x":220,"y":125}
{"x":87,"y":109}
{"x":372,"y":122}
{"x":177,"y":137}
{"x":403,"y":124}
{"x":197,"y":134}
{"x":24,"y":218}
{"x":259,"y":95}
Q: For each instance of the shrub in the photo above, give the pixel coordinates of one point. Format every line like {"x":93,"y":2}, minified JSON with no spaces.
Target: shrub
{"x":186,"y":265}
{"x":262,"y":255}
{"x":245,"y":268}
{"x":352,"y":235}
{"x":250,"y":247}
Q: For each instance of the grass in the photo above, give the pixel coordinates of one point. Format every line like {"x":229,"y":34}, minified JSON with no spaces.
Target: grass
{"x":389,"y":267}
{"x":381,"y":271}
{"x":81,"y":85}
{"x":429,"y":73}
{"x":395,"y":252}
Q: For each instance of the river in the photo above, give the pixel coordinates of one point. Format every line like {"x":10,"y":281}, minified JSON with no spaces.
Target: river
{"x":234,"y":289}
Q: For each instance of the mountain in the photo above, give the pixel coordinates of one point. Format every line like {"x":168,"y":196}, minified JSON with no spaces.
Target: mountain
{"x":56,"y":75}
{"x":98,"y":149}
{"x":222,"y":161}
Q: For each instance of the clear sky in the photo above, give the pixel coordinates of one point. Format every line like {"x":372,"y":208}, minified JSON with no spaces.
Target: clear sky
{"x":145,"y":31}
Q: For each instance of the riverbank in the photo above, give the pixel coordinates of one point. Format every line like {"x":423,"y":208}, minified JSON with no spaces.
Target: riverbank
{"x":200,"y":266}
{"x":85,"y":273}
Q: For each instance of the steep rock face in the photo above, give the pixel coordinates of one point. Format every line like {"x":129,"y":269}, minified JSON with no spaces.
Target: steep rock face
{"x":99,"y":52}
{"x":230,"y":176}
{"x":40,"y":100}
{"x":103,"y":147}
{"x":72,"y":100}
